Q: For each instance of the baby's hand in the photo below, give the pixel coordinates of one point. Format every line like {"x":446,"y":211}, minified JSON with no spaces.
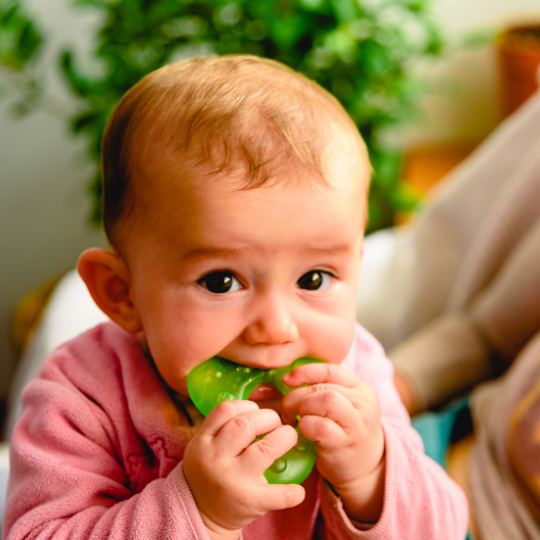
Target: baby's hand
{"x":225,"y":471}
{"x":342,"y":416}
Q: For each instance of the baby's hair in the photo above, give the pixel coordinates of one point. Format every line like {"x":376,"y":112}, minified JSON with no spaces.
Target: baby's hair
{"x":235,"y":112}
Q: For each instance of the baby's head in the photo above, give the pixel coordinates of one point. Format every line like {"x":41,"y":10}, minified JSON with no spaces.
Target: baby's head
{"x":235,"y":200}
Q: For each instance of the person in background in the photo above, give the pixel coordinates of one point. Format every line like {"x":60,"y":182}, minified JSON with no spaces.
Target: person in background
{"x":498,"y":332}
{"x":470,"y":321}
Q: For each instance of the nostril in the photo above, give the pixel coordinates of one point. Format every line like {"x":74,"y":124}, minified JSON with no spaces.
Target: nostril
{"x":271,"y":333}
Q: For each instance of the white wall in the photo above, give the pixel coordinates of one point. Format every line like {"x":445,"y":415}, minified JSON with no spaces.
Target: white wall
{"x":43,"y":206}
{"x":464,"y":103}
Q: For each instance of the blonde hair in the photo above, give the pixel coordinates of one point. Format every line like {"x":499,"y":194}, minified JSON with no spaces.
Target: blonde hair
{"x":230,"y":112}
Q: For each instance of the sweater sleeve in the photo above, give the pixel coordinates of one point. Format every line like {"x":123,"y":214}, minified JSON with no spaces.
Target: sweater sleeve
{"x":67,"y":478}
{"x":463,"y":348}
{"x":420,"y":499}
{"x":445,"y":359}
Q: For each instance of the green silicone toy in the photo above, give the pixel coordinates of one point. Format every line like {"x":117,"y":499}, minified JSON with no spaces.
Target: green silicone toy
{"x":218,"y":380}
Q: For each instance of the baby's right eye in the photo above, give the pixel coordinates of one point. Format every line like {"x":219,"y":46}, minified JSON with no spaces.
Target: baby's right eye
{"x":220,"y":282}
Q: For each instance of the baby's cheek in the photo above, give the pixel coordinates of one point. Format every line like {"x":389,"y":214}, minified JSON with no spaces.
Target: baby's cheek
{"x":174,"y":368}
{"x":338,"y":348}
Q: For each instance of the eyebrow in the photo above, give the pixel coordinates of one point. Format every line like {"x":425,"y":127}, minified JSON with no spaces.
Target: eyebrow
{"x":217,"y":252}
{"x":211,"y":252}
{"x":329,"y":250}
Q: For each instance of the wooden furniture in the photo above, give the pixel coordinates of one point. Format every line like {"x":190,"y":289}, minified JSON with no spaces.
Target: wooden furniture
{"x":518,"y":54}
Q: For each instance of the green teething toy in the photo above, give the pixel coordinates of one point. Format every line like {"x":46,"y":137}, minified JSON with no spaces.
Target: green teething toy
{"x":218,"y":380}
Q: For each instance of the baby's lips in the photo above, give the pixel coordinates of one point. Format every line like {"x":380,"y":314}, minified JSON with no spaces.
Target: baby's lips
{"x":264,"y":392}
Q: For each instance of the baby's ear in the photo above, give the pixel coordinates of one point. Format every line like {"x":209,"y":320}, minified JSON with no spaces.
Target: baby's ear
{"x":107,"y":278}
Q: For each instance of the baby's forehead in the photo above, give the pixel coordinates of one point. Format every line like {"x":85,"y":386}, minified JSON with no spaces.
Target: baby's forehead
{"x":170,"y":187}
{"x":173,"y":197}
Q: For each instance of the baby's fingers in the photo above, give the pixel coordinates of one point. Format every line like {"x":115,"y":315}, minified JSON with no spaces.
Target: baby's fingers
{"x":321,"y":373}
{"x":334,"y":401}
{"x":325,"y":433}
{"x":261,"y":454}
{"x":332,"y":405}
{"x":278,"y":496}
{"x":238,"y":433}
{"x":223,"y":413}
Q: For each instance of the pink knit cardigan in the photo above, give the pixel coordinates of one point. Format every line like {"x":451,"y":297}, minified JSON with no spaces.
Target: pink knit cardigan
{"x":97,"y":454}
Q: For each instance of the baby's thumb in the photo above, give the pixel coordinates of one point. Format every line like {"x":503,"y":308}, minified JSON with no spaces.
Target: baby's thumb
{"x":281,"y":496}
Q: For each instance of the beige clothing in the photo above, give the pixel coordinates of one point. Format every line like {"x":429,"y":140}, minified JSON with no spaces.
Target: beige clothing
{"x":462,"y":348}
{"x":460,"y":294}
{"x":460,"y":290}
{"x":504,"y":466}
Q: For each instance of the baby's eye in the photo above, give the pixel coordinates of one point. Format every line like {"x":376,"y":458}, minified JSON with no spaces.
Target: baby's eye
{"x":220,"y":282}
{"x":314,"y":280}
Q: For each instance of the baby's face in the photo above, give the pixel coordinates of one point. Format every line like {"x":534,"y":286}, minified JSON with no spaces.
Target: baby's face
{"x":259,"y":277}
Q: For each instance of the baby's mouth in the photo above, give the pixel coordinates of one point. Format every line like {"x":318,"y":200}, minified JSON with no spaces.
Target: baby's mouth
{"x":264,"y":392}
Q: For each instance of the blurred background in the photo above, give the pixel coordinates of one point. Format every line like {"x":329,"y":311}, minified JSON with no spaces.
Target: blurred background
{"x":425,"y":80}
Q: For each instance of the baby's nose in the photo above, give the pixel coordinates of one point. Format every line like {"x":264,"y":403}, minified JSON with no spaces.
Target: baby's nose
{"x":273,"y":324}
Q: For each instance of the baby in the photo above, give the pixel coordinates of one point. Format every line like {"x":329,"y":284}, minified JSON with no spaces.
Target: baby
{"x":235,"y":202}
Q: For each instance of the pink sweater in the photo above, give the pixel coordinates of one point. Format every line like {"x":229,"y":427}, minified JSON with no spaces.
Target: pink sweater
{"x":97,"y":453}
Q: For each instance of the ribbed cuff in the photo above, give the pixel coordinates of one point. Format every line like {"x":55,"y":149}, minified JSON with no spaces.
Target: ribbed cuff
{"x":187,"y":502}
{"x":335,"y":516}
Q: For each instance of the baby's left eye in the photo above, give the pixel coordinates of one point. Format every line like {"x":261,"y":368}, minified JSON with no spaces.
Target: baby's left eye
{"x":314,"y":280}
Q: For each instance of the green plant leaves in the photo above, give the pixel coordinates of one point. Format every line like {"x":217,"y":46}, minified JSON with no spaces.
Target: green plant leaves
{"x":28,"y":42}
{"x":19,"y":38}
{"x":78,"y":84}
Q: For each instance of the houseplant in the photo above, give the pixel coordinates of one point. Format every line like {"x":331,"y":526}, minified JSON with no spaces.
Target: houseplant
{"x":361,"y":50}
